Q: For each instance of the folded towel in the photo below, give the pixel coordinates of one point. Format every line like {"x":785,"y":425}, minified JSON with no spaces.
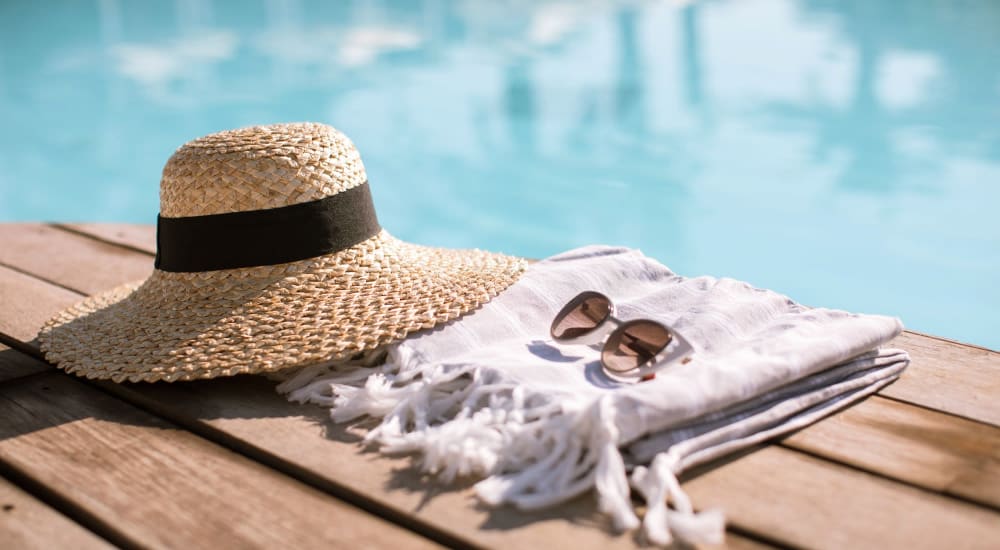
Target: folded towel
{"x":491,"y":395}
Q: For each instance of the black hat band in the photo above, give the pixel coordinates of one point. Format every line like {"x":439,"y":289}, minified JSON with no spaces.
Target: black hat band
{"x":266,"y":237}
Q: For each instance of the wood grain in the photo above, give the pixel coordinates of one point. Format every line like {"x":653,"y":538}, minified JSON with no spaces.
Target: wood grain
{"x":959,"y":379}
{"x":938,"y":451}
{"x":27,"y":523}
{"x":138,"y":237}
{"x":162,"y":486}
{"x":25,"y":246}
{"x":809,"y":502}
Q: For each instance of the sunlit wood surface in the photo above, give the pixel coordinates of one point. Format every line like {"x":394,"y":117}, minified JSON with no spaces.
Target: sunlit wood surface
{"x":229,"y":463}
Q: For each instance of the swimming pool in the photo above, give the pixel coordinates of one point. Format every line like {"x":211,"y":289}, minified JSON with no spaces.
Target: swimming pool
{"x":844,"y":153}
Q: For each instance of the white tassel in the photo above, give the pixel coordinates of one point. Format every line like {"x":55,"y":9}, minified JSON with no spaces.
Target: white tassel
{"x":609,"y":478}
{"x":312,"y":384}
{"x":534,"y":450}
{"x":658,"y":485}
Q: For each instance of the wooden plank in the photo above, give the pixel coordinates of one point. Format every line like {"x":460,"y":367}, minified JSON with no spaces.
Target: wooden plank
{"x":809,"y":502}
{"x":949,"y":340}
{"x":27,"y":304}
{"x":161,"y":486}
{"x":927,"y":448}
{"x":955,"y":378}
{"x":28,"y":524}
{"x":138,"y":237}
{"x":293,"y":439}
{"x":25,"y":247}
{"x":13,"y":365}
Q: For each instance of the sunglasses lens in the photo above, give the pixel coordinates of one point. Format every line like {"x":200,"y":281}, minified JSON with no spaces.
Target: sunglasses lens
{"x":633,"y":345}
{"x":581,"y":315}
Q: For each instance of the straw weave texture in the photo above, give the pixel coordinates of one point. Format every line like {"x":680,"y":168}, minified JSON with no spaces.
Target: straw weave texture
{"x":185,"y":326}
{"x":258,"y":168}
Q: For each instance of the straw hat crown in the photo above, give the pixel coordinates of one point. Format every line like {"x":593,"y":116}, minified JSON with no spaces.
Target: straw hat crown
{"x":259,"y":168}
{"x":224,"y":317}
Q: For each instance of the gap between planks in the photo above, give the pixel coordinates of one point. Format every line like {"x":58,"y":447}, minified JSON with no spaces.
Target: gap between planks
{"x":136,"y":237}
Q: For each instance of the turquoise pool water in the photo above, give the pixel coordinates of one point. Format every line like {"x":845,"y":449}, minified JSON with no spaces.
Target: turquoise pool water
{"x":846,"y":153}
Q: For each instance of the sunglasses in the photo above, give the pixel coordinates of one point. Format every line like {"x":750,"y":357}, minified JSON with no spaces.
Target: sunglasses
{"x":632,"y":350}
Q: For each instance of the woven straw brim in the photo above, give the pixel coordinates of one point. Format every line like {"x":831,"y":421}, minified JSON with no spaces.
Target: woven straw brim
{"x":186,"y":326}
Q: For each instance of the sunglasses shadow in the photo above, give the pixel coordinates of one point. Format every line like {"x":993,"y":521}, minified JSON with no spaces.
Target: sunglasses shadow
{"x":595,"y":375}
{"x":547,"y":351}
{"x":592,"y":370}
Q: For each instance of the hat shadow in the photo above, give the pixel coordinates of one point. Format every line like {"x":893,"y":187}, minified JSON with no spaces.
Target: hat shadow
{"x":233,"y":406}
{"x":35,"y":396}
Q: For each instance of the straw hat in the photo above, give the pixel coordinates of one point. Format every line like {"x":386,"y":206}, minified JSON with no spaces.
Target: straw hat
{"x":218,"y":302}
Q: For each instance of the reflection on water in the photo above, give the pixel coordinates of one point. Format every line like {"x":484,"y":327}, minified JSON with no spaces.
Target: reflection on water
{"x":844,"y":152}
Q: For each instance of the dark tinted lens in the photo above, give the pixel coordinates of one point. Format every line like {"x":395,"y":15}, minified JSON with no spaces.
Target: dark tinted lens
{"x":634,"y":344}
{"x":581,"y":315}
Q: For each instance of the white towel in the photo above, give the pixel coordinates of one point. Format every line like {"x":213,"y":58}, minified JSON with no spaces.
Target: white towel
{"x":491,"y":395}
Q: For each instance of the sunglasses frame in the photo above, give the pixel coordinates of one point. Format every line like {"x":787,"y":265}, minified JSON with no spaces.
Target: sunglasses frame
{"x":678,"y":349}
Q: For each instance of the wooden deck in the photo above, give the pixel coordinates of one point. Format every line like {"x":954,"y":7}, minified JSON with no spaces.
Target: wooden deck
{"x":229,"y":463}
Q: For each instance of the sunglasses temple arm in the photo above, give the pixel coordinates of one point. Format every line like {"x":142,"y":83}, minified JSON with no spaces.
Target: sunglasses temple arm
{"x":680,"y":350}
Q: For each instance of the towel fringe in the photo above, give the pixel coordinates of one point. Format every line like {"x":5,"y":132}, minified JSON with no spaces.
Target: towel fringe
{"x":658,"y":484}
{"x":533,"y":449}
